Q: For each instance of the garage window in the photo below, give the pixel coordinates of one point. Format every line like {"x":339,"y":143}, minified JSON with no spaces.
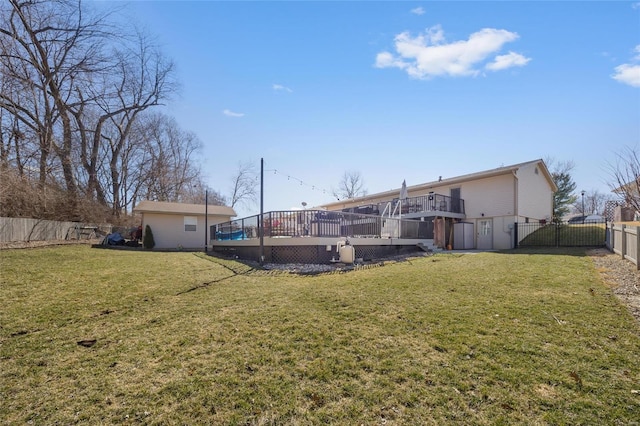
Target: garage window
{"x":190,"y":223}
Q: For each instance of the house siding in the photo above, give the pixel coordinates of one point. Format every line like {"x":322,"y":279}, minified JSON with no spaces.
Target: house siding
{"x":489,"y":197}
{"x":535,"y":197}
{"x":504,"y":196}
{"x":492,"y":196}
{"x":168,"y":230}
{"x":503,"y":235}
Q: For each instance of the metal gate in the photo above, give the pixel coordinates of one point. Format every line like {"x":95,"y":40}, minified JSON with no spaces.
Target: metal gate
{"x":561,"y":234}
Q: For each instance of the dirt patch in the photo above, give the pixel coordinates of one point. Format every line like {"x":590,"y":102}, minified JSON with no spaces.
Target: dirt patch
{"x":621,"y":275}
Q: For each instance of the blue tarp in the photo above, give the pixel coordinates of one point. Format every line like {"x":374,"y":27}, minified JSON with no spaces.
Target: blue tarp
{"x":114,"y":239}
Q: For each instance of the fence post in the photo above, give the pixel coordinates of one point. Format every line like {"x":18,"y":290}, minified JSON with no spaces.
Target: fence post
{"x":623,"y":241}
{"x":638,"y":248}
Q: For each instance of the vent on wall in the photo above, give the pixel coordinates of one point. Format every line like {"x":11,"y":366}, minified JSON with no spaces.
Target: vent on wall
{"x":536,"y":171}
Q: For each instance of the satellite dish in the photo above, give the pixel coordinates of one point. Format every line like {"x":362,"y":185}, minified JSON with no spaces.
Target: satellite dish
{"x":304,"y":204}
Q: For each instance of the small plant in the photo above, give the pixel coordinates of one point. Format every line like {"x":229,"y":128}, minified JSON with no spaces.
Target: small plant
{"x":148,"y":242}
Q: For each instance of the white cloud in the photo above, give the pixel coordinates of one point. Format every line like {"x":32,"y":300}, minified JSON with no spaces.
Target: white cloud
{"x":230,"y":113}
{"x":279,"y":87}
{"x":511,"y":59}
{"x":629,"y":73}
{"x":386,"y":59}
{"x":428,"y":54}
{"x":418,"y":11}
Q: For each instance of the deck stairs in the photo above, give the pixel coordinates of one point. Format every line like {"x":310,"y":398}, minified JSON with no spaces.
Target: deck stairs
{"x":429,"y":248}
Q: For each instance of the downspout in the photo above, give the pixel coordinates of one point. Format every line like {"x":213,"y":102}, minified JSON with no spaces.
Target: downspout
{"x":515,"y":194}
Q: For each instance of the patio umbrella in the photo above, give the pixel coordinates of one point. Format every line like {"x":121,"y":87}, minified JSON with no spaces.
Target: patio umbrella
{"x":403,"y":191}
{"x":403,"y":196}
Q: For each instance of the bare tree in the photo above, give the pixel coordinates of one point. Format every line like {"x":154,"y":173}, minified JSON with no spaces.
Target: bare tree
{"x":74,"y":111}
{"x":625,"y":176}
{"x":351,"y":185}
{"x":244,"y":189}
{"x":595,"y":202}
{"x":146,"y":79}
{"x":28,"y":114}
{"x":197,"y":194}
{"x":165,"y":167}
{"x":49,"y":47}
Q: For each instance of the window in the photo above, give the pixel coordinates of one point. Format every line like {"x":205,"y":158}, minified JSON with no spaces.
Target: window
{"x":190,"y":223}
{"x":484,"y":228}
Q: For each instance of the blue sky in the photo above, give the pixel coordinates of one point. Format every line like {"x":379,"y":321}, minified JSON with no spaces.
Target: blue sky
{"x":399,"y":90}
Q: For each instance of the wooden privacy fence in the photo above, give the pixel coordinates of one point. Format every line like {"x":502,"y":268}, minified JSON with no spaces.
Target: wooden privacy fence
{"x":26,"y":229}
{"x":623,"y":240}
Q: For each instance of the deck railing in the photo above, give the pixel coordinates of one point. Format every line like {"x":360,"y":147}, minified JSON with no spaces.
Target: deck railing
{"x":422,"y":204}
{"x":319,"y":223}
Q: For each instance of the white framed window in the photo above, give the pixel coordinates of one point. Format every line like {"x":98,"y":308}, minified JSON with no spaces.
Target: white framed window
{"x":190,"y":223}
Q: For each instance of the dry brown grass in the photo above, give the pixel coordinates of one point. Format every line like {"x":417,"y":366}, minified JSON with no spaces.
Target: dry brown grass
{"x":529,"y":338}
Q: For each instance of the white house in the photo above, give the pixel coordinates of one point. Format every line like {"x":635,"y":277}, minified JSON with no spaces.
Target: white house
{"x":492,"y":200}
{"x":178,"y":225}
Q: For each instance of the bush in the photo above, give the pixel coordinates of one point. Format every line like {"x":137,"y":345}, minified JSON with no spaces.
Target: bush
{"x":148,"y":241}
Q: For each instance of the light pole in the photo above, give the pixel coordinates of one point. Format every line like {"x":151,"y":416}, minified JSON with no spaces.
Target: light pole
{"x":583,"y":214}
{"x":206,"y":219}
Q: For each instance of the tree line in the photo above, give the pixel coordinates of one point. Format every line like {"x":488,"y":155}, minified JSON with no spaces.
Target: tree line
{"x":80,"y":127}
{"x":82,"y":136}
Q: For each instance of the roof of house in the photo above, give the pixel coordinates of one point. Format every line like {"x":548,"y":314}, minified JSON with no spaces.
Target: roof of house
{"x":458,"y":179}
{"x":629,"y":187}
{"x":182,"y":208}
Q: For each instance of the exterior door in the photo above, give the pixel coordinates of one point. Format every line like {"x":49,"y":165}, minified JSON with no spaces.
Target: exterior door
{"x":485,"y":234}
{"x":455,"y":200}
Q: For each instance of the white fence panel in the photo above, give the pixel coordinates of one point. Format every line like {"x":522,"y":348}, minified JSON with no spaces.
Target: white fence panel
{"x":623,"y":240}
{"x":26,"y":229}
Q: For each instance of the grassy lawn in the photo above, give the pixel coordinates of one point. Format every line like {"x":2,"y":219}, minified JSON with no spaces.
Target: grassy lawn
{"x":529,"y":337}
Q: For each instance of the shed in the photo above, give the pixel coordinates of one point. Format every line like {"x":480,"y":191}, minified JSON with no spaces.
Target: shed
{"x":180,"y":225}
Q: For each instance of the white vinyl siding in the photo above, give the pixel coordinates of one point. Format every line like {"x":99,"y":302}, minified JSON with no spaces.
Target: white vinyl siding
{"x":535,"y":197}
{"x":169,"y":230}
{"x":489,"y":197}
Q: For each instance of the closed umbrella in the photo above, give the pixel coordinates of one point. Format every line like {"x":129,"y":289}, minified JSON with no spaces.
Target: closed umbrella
{"x":403,"y":191}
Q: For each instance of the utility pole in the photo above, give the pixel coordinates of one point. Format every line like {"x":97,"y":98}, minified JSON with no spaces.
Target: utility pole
{"x":261,"y":224}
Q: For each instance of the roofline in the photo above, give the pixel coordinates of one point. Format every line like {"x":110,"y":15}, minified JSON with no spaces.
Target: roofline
{"x":450,"y":181}
{"x":197,"y":209}
{"x":209,"y":213}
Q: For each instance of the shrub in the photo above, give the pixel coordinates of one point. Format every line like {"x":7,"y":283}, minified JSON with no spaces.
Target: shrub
{"x":148,"y":241}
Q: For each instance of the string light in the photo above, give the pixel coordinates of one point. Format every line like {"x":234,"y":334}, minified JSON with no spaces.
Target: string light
{"x":302,"y":183}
